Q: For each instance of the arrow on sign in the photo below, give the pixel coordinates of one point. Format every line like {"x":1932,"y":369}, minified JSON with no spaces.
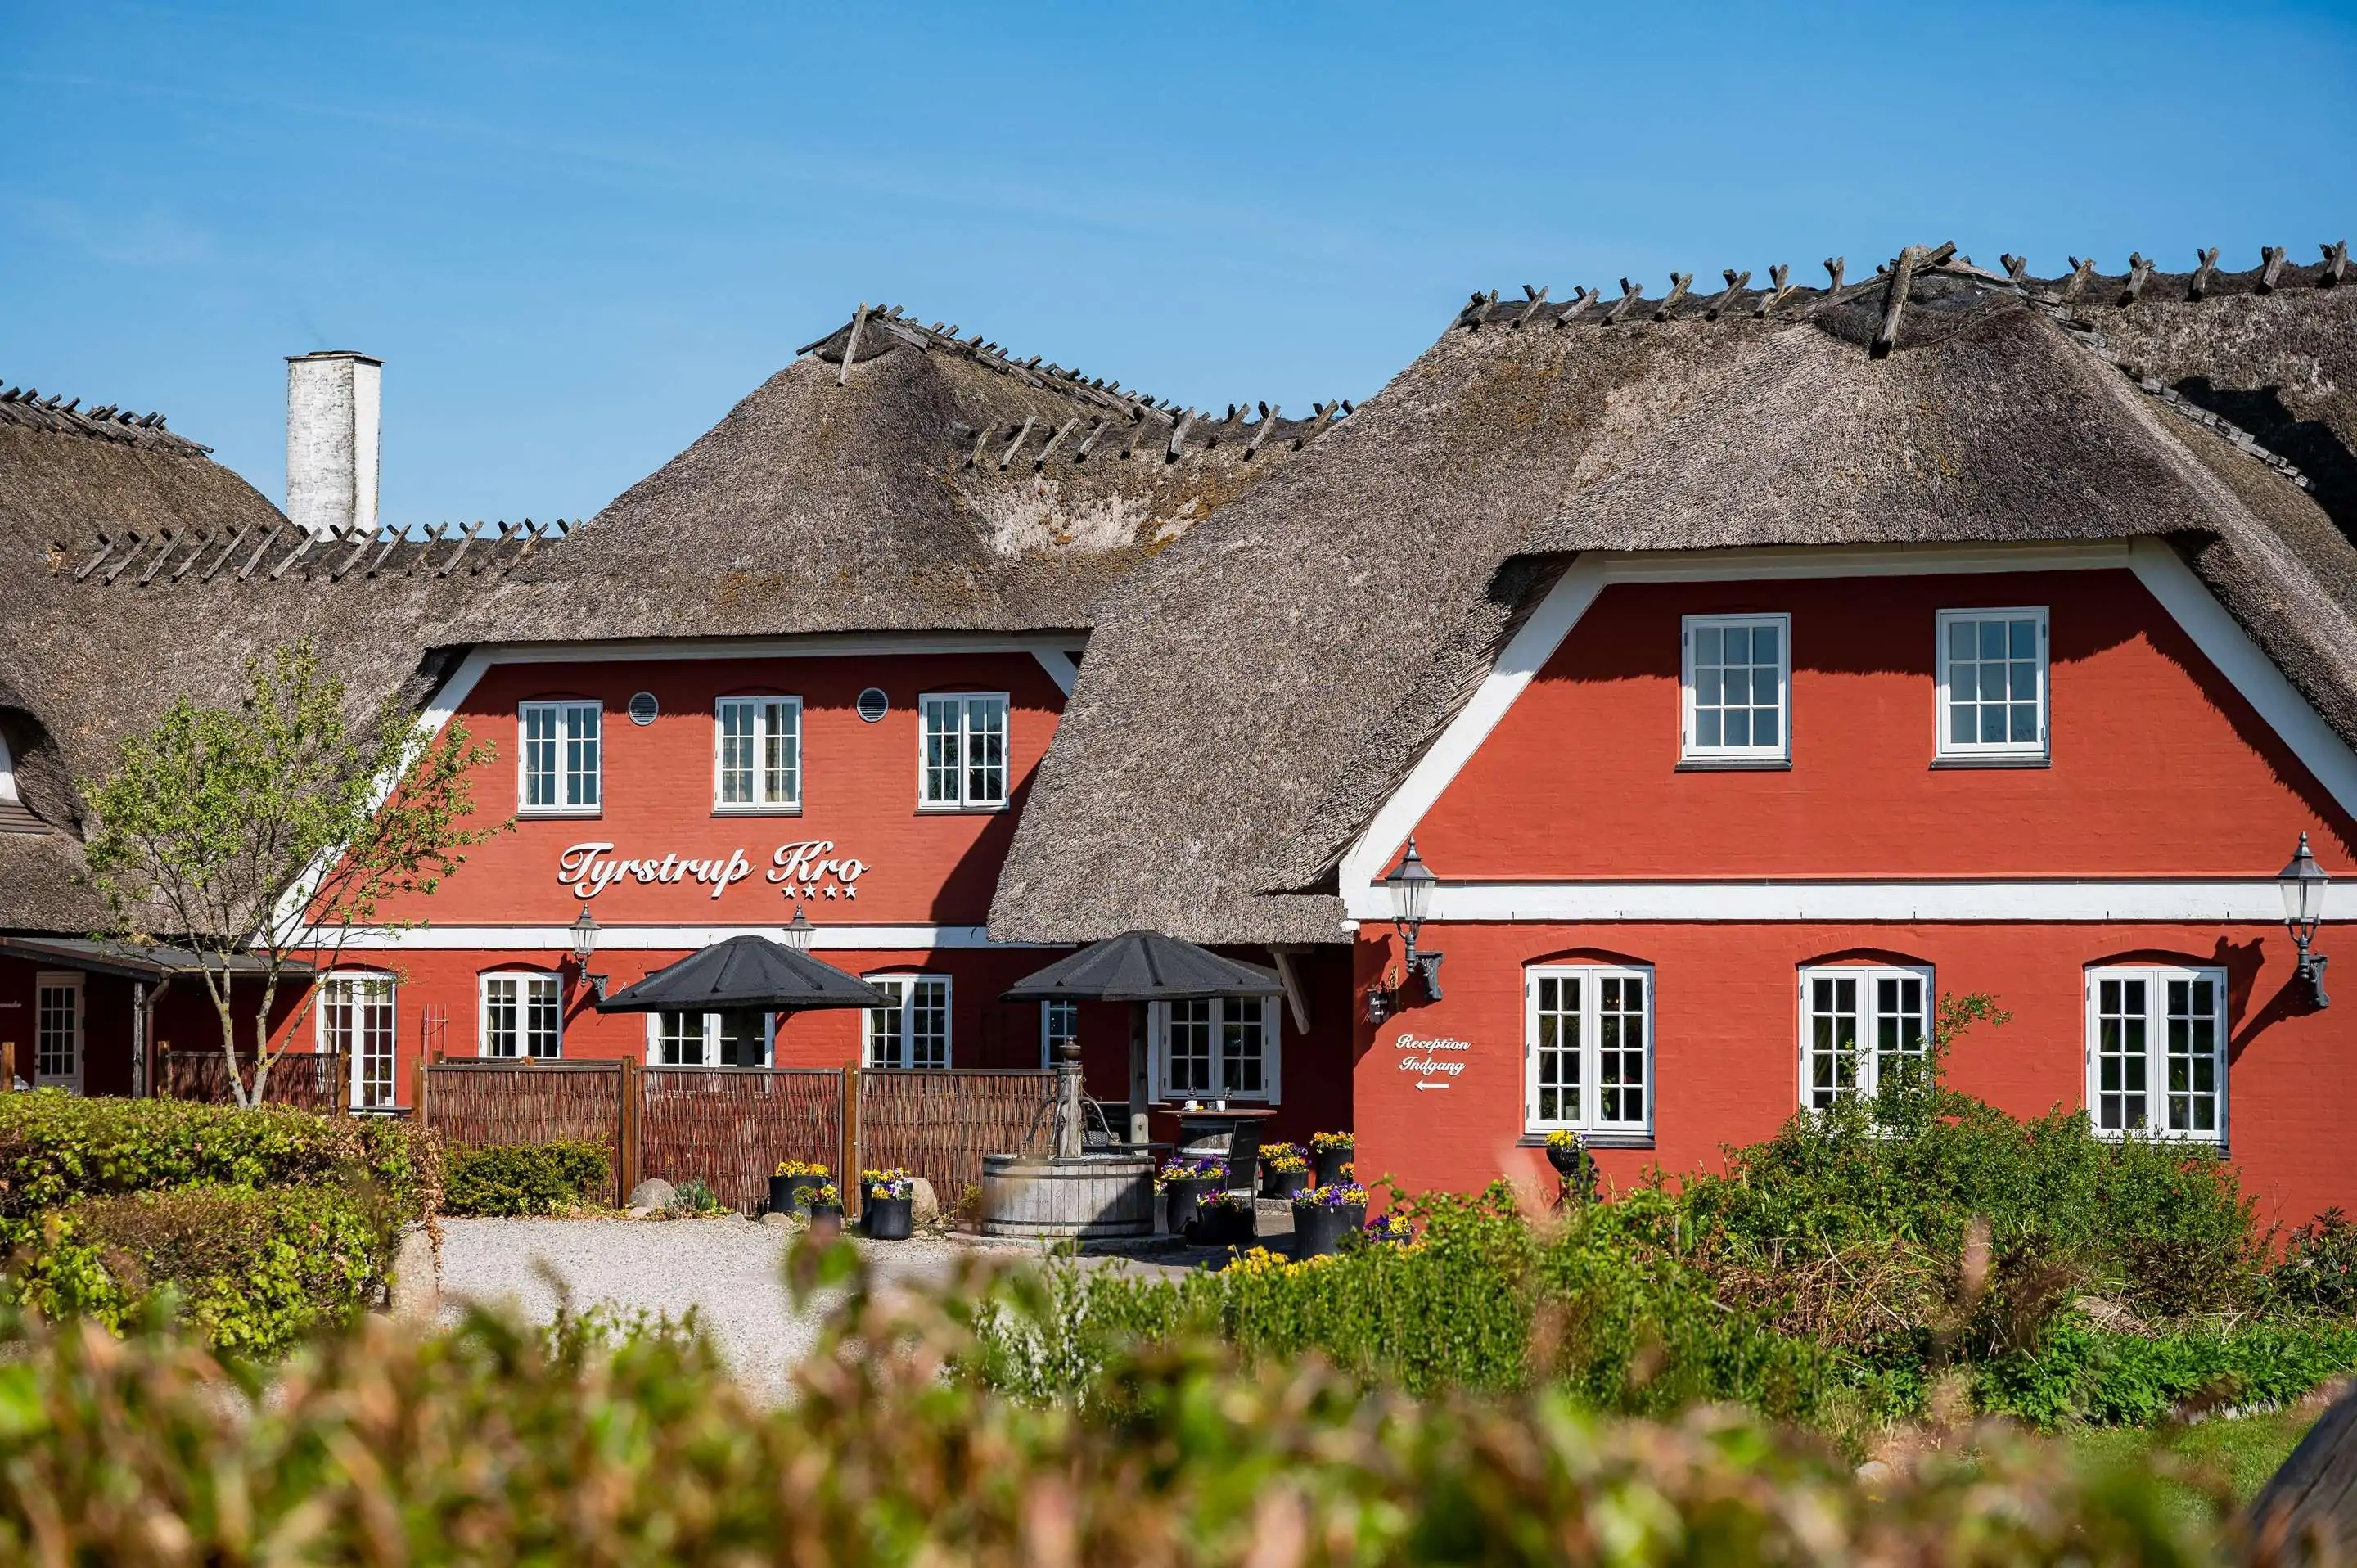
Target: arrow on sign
{"x":1428,"y":1083}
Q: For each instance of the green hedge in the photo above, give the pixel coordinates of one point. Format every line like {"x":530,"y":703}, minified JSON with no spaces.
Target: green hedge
{"x":253,"y":1272}
{"x":58,"y":1149}
{"x":525,"y":1178}
{"x":1481,"y":1301}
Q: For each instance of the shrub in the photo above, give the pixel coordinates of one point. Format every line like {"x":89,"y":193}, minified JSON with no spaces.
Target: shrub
{"x":1882,"y":1191}
{"x":59,"y":1149}
{"x":2084,"y":1374}
{"x":252,"y":1271}
{"x":499,"y":1444}
{"x":1480,"y":1301}
{"x":694,"y":1195}
{"x":524,"y":1178}
{"x":2318,"y":1268}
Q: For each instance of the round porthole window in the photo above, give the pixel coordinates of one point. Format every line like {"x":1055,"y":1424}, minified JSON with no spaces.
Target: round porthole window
{"x":643,"y":708}
{"x":874,"y":704}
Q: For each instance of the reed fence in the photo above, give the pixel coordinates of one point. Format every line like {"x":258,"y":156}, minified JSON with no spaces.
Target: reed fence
{"x":732,"y":1126}
{"x":306,"y":1079}
{"x":938,"y":1125}
{"x":485,"y":1105}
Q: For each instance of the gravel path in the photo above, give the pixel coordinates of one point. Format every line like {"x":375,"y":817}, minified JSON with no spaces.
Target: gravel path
{"x":728,"y":1269}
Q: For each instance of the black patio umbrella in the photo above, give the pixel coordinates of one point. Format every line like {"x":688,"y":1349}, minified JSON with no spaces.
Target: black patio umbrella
{"x":1138,"y":968}
{"x":747,"y":974}
{"x":1145,"y":966}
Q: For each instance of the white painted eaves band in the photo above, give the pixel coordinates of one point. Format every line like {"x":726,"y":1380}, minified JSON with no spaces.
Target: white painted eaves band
{"x":2158,"y":567}
{"x":635,"y":939}
{"x":2077,"y":901}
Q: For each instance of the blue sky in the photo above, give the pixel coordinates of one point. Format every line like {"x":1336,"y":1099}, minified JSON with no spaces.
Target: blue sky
{"x":577,"y":233}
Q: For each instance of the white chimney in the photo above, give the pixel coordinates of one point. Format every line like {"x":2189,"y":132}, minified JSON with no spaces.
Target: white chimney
{"x":334,"y":401}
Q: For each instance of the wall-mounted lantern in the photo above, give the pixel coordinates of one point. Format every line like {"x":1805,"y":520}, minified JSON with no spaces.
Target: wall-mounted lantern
{"x":799,"y":931}
{"x":2303,"y":894}
{"x":585,"y":948}
{"x":1410,"y":885}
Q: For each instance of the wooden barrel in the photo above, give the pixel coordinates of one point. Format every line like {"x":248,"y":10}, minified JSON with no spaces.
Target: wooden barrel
{"x":1092,"y":1197}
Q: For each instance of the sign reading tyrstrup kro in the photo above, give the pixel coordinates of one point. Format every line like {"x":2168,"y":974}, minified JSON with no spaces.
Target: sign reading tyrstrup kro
{"x":1432,"y":1060}
{"x":802,"y":870}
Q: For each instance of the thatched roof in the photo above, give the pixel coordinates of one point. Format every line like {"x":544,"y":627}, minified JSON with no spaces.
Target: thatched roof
{"x":1245,"y":707}
{"x":933,"y":485}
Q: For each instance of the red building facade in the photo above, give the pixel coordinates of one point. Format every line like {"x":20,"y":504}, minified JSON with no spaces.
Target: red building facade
{"x":1670,"y":939}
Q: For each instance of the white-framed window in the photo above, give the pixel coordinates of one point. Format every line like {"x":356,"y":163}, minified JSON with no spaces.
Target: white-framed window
{"x":1059,"y":1022}
{"x":914,"y":1031}
{"x":559,"y":768}
{"x":356,"y":1019}
{"x":521,"y":1016}
{"x":1991,"y":705}
{"x":57,"y":1032}
{"x":2157,"y":1052}
{"x":1587,"y":1059}
{"x":962,"y":751}
{"x":736,"y":1038}
{"x":1859,"y":1026}
{"x":757,"y":757}
{"x":1736,"y":691}
{"x":1216,"y":1048}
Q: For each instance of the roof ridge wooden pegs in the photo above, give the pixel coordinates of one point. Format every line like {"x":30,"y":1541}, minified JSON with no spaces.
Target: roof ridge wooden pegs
{"x":2208,"y":268}
{"x":1781,"y":275}
{"x":1735,"y":283}
{"x":2335,"y":264}
{"x":1679,"y":282}
{"x":1536,"y":297}
{"x":1629,"y":295}
{"x":2272,"y":265}
{"x":2140,"y":270}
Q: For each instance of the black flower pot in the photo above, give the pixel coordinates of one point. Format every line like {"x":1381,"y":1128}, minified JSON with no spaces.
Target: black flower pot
{"x":888,"y":1218}
{"x":1319,"y":1230}
{"x":1180,"y":1199}
{"x":1284,"y":1184}
{"x":1329,"y":1164}
{"x":793,"y":1194}
{"x":825,"y":1221}
{"x":1223,"y":1225}
{"x":1577,"y":1169}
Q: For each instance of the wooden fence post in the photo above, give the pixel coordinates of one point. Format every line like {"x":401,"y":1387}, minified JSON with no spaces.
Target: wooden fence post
{"x":851,"y":1157}
{"x":419,"y":1079}
{"x":7,"y":1066}
{"x":628,"y":1134}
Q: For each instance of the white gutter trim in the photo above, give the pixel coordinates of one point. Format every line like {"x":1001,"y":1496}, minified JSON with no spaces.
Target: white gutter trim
{"x":2239,"y":901}
{"x":660,"y":937}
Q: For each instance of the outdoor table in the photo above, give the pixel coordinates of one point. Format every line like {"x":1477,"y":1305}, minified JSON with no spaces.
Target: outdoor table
{"x":1234,"y":1135}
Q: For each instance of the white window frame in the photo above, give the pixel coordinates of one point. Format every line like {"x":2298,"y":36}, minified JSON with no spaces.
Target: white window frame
{"x":336,"y":990}
{"x":8,"y":795}
{"x":900,"y":983}
{"x":1049,"y":1011}
{"x":765,"y":802}
{"x":1998,"y":754}
{"x":1692,"y":753}
{"x":967,"y":800}
{"x":2157,"y":979}
{"x":75,"y":982}
{"x":1590,"y":1118}
{"x":710,"y":1040}
{"x":564,"y":777}
{"x":525,"y":981}
{"x":1272,"y":1056}
{"x":1870,"y":1018}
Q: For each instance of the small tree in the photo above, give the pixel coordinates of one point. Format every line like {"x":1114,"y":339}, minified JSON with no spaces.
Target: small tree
{"x":278,"y":828}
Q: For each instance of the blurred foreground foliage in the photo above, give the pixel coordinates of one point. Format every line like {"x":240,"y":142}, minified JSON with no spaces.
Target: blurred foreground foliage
{"x":594,"y":1441}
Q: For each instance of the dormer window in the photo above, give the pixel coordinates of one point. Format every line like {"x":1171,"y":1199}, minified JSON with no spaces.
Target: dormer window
{"x":14,"y":817}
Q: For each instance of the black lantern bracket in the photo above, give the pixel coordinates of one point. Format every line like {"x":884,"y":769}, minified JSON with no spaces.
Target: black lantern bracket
{"x":585,"y":948}
{"x":2303,"y":882}
{"x":1410,"y":885}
